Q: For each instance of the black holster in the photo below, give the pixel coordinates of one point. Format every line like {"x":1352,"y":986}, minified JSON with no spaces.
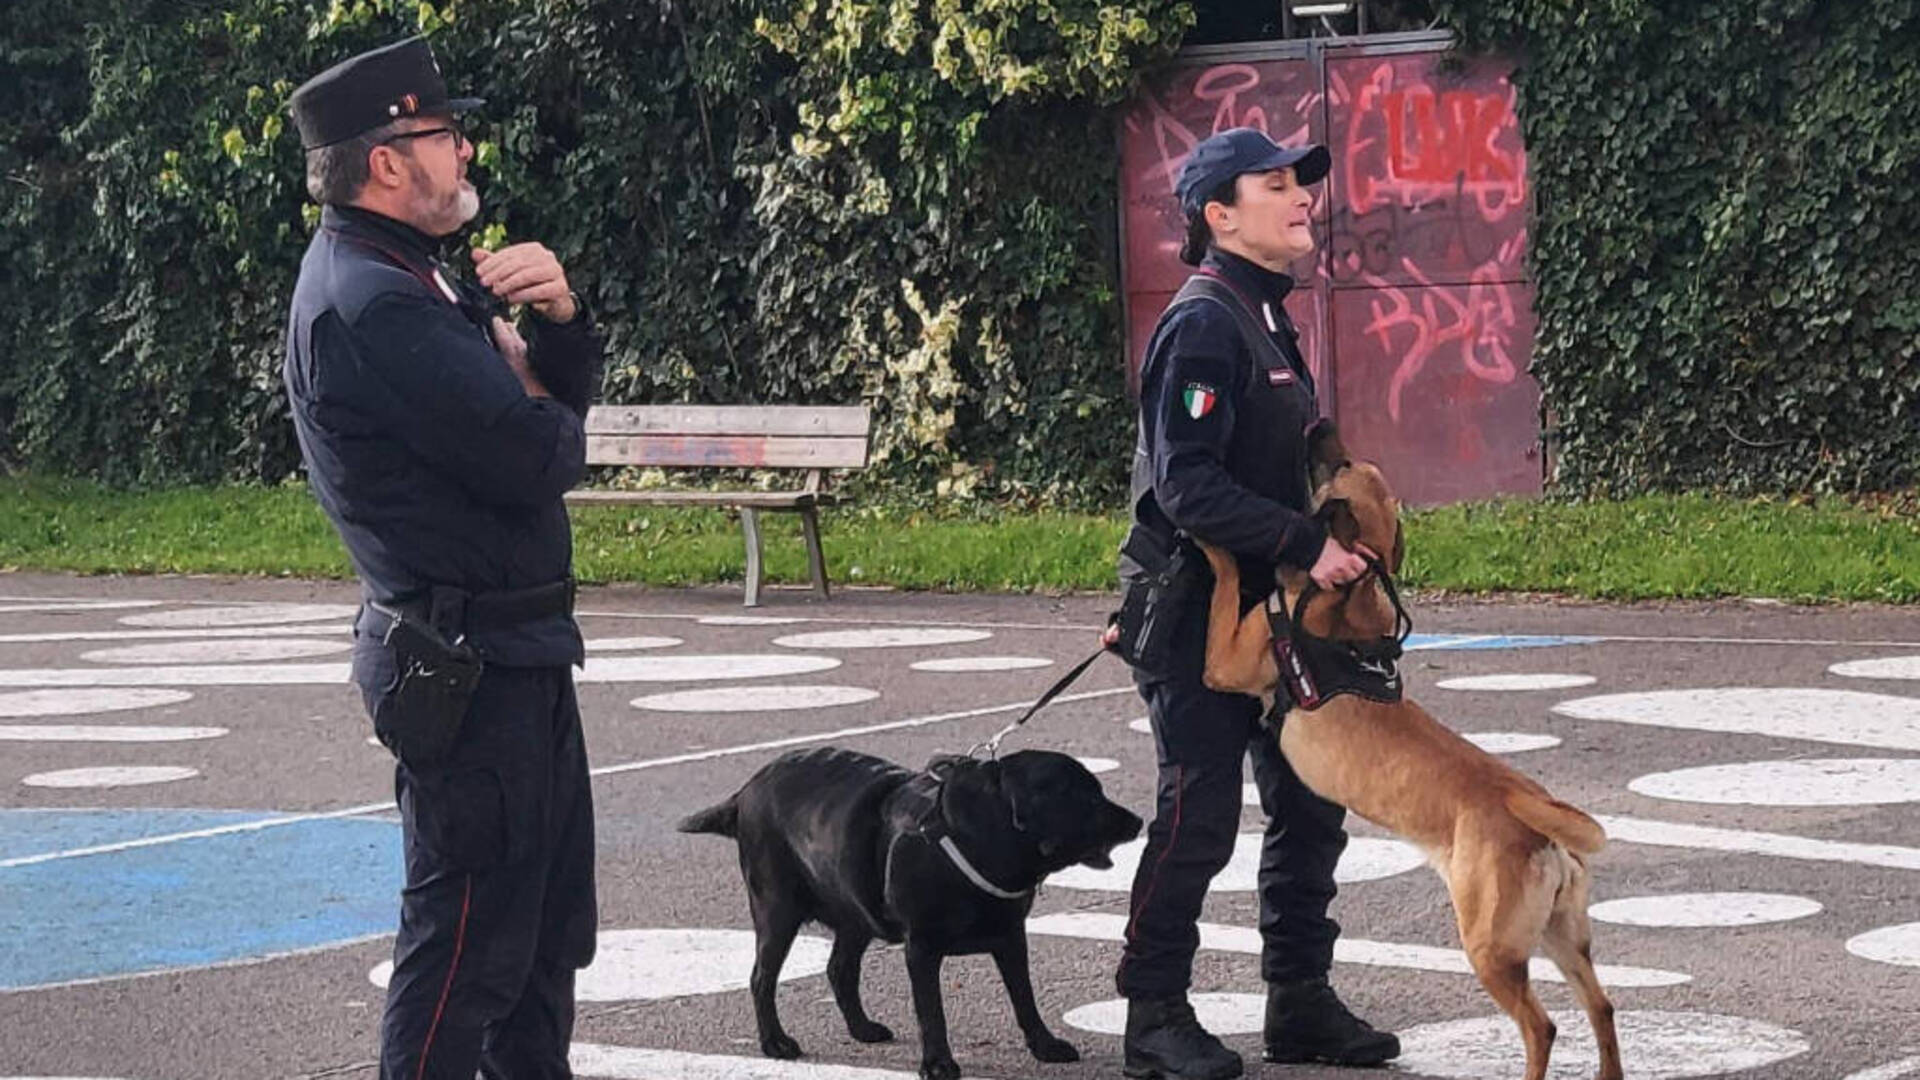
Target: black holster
{"x":418,"y":718}
{"x":1162,"y":573}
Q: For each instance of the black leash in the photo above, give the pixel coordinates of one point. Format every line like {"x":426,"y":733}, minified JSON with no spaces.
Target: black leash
{"x":992,"y":746}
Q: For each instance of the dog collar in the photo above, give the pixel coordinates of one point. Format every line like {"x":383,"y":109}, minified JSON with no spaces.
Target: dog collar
{"x":979,"y":880}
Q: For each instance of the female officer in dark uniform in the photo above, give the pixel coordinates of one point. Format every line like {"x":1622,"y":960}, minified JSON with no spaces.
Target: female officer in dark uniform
{"x":1225,"y":404}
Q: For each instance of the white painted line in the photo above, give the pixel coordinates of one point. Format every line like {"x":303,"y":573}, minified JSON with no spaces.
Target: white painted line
{"x":1707,"y":838}
{"x":228,"y":651}
{"x":1655,"y":1046}
{"x":594,"y":1061}
{"x":1892,"y":1070}
{"x":385,"y":806}
{"x":127,"y":733}
{"x":1889,"y":945}
{"x":742,"y":620}
{"x":1542,"y":681}
{"x":1847,"y":717}
{"x":657,"y":964}
{"x":1098,"y":765}
{"x":1803,"y":782}
{"x":1221,"y":1014}
{"x":99,"y":776}
{"x":265,"y":614}
{"x":737,"y":699}
{"x":598,"y":669}
{"x":982,"y":663}
{"x":1704,"y":909}
{"x":1143,"y":725}
{"x":1510,"y":742}
{"x":1103,"y":926}
{"x":56,"y":607}
{"x":1886,"y":667}
{"x":82,"y":702}
{"x":885,"y":638}
{"x":1365,"y":859}
{"x":630,"y":644}
{"x":306,"y":630}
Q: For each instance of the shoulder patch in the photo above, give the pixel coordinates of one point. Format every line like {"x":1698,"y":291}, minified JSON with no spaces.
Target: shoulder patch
{"x":1199,"y":398}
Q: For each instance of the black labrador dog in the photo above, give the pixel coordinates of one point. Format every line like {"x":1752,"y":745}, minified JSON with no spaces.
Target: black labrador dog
{"x":946,"y":861}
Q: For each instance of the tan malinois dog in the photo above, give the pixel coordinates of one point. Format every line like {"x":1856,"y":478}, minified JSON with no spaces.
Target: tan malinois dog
{"x":1514,"y":858}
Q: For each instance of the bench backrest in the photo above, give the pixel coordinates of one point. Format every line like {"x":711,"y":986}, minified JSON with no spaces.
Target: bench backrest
{"x":729,"y":436}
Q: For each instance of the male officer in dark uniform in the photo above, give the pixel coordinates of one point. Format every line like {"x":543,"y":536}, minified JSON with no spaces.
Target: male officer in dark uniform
{"x":440,"y":442}
{"x":1226,"y":403}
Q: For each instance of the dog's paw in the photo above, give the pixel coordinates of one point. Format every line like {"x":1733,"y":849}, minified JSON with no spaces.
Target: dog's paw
{"x":943,"y":1069}
{"x":868,"y":1031}
{"x":1053,"y":1050}
{"x":780,"y":1046}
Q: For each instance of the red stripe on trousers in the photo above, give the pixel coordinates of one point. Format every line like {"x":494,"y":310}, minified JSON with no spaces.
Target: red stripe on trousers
{"x":1173,"y":837}
{"x":459,"y":941}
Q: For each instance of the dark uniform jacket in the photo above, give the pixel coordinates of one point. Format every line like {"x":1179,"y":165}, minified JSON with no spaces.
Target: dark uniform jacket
{"x":421,"y":445}
{"x":1222,"y":453}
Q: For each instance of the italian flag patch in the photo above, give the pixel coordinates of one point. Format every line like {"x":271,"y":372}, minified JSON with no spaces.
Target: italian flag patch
{"x":1199,"y":399}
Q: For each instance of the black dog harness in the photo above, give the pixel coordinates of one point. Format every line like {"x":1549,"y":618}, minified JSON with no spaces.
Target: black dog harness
{"x":932,"y":828}
{"x":1316,"y":670}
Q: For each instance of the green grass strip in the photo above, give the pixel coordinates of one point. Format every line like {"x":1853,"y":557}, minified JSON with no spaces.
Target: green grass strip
{"x":1656,"y":547}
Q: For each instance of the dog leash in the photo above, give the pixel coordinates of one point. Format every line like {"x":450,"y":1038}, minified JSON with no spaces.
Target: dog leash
{"x":992,"y":746}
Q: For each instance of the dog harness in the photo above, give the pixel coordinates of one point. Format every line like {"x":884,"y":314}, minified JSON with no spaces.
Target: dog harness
{"x":1315,"y":670}
{"x":933,"y":829}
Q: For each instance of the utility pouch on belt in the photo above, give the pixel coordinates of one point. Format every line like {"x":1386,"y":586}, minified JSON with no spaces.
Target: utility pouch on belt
{"x":420,"y":717}
{"x":1141,"y":632}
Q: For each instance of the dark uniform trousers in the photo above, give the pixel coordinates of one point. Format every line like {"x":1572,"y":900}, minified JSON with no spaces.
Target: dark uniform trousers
{"x":1202,"y":736}
{"x":498,"y":909}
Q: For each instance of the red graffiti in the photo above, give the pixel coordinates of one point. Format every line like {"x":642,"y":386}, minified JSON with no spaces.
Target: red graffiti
{"x":1409,"y":143}
{"x":1482,"y":325}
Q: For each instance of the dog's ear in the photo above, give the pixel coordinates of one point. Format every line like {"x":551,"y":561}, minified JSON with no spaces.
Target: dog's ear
{"x":1020,"y":799}
{"x":1342,"y":525}
{"x":1325,"y":452}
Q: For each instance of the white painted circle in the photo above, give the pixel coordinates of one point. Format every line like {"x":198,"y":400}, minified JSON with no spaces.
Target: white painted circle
{"x":1810,"y":782}
{"x":1849,"y":717}
{"x":243,"y":615}
{"x":1892,"y":1070}
{"x":883,"y":637}
{"x":229,"y":651}
{"x":617,"y":669}
{"x":746,"y":620}
{"x":82,"y":702}
{"x":982,"y":663}
{"x":652,"y":965}
{"x":630,"y":644}
{"x":1221,"y":1014}
{"x":1365,"y":859}
{"x":1509,"y":742}
{"x":104,"y":733}
{"x":1540,"y":681}
{"x":110,"y":776}
{"x":1889,"y":945}
{"x":1250,"y":794}
{"x":1098,"y":765}
{"x":1143,"y":725}
{"x":755,"y":699}
{"x":1704,"y":909}
{"x":1886,"y":667}
{"x":1655,"y":1045}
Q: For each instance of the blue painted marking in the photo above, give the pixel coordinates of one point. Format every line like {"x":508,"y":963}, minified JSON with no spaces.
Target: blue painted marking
{"x":189,"y":903}
{"x":1491,"y":641}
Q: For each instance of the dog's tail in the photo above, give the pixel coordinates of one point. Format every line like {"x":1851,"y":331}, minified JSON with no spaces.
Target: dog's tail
{"x":1564,"y":824}
{"x":722,"y":819}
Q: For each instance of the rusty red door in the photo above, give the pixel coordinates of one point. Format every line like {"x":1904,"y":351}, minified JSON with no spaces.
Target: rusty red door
{"x":1416,"y":315}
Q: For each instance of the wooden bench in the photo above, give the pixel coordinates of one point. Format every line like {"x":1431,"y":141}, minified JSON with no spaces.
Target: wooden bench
{"x":809,"y":437}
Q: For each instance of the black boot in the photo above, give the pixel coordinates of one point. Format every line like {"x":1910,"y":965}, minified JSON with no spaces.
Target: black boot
{"x":1165,"y":1042}
{"x":1306,"y":1021}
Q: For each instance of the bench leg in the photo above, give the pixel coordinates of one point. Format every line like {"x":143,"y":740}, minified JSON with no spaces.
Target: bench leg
{"x":750,"y":522}
{"x":816,"y":559}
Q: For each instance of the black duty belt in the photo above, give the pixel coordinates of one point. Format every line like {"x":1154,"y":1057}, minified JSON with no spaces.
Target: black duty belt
{"x":457,"y":613}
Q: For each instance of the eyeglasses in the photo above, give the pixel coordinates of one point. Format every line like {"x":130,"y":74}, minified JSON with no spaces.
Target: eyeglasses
{"x":459,"y":136}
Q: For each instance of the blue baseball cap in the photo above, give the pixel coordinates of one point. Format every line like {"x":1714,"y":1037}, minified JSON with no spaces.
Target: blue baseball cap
{"x":1224,"y":155}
